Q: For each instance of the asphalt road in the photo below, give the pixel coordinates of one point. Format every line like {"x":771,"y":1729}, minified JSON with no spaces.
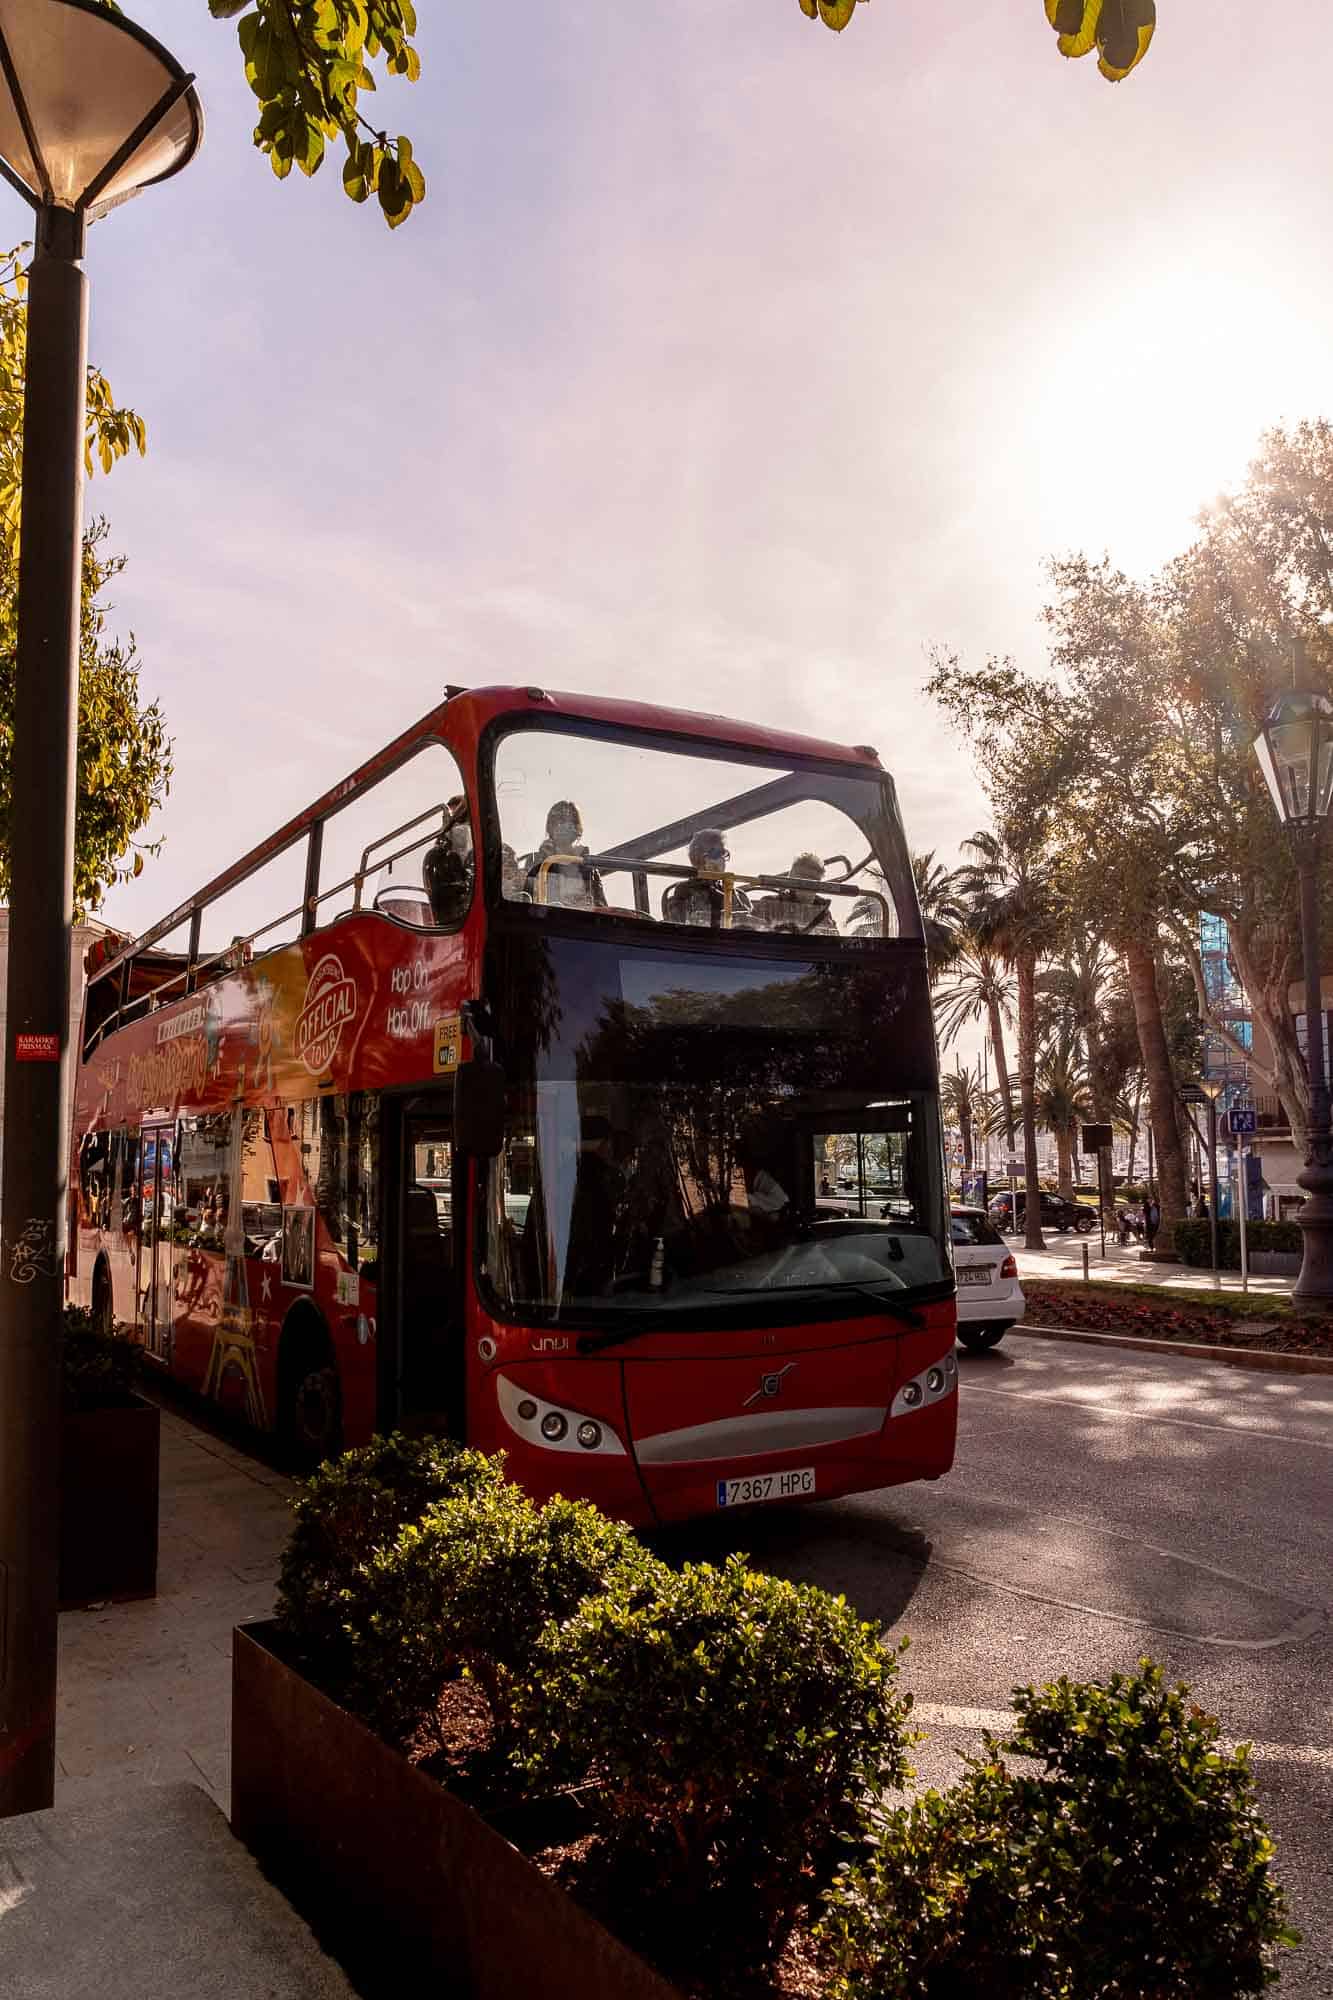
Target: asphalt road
{"x":1105,"y":1504}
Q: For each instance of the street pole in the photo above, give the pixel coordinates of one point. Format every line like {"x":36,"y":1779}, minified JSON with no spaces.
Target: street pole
{"x":1212,"y":1184}
{"x":1244,"y":1205}
{"x":34,"y":1204}
{"x":1316,"y":1217}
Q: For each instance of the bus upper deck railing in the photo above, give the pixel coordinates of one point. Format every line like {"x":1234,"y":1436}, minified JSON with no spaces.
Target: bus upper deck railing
{"x":199,"y":971}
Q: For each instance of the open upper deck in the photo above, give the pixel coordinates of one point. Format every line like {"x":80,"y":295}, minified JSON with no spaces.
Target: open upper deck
{"x":653,"y":796}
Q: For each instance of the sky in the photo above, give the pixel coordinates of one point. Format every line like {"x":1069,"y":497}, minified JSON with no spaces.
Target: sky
{"x":729,"y":363}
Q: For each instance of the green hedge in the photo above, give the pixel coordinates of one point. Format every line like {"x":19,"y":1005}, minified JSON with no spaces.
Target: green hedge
{"x":733,"y":1737}
{"x":1194,"y":1241}
{"x":1125,"y":1858}
{"x":738,"y":1726}
{"x":353,"y":1507}
{"x":469,"y":1589}
{"x":98,"y":1370}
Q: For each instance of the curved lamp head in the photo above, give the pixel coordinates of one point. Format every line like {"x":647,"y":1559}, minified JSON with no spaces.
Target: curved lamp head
{"x":1212,"y":1087}
{"x":92,"y":108}
{"x":1295,"y":752}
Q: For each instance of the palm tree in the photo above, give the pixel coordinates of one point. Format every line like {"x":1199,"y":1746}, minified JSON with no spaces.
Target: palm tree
{"x":1063,"y":1102}
{"x":960,"y":1099}
{"x":981,"y":984}
{"x":941,"y":912}
{"x":1008,"y":898}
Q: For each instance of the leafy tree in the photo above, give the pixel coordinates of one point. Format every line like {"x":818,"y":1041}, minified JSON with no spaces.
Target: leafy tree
{"x":961,"y":1097}
{"x":1086,"y":758}
{"x":124,"y":757}
{"x":1119,"y":30}
{"x":311,"y":63}
{"x":981,"y":984}
{"x":1063,"y":1102}
{"x":1007,"y":889}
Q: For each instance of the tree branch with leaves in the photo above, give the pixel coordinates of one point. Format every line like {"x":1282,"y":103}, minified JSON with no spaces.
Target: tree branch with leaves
{"x":124,"y":756}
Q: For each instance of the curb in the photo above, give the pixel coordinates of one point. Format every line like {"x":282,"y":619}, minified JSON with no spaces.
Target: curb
{"x":1234,"y":1357}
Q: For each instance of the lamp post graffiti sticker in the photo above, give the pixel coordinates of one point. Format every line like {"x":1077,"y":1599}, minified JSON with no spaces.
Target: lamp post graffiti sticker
{"x":34,"y":1254}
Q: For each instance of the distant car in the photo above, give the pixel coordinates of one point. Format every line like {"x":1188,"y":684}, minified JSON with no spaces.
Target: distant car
{"x":990,"y":1299}
{"x":1056,"y":1213}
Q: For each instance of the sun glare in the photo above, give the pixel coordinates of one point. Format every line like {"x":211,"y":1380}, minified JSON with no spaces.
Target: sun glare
{"x":1175,"y":380}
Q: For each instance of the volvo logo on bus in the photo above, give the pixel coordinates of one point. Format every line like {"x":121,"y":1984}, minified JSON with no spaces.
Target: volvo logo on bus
{"x":330,"y":1002}
{"x":769,"y":1385}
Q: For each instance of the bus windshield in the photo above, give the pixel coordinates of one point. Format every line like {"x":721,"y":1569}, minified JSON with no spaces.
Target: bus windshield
{"x":623,"y":824}
{"x":689,"y":1135}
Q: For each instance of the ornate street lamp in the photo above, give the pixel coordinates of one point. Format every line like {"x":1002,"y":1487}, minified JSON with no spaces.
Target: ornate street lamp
{"x":1212,"y":1088}
{"x":92,"y":109}
{"x":1295,"y":752}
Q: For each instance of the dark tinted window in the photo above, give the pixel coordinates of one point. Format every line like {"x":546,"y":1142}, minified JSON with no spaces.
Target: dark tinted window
{"x":690,"y":1134}
{"x":970,"y":1230}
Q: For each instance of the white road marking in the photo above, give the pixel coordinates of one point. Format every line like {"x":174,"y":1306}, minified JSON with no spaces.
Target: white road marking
{"x":1130,"y":1414}
{"x":939,"y":1715}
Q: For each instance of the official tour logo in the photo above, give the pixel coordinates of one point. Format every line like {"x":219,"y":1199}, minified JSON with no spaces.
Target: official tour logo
{"x":330,"y":1002}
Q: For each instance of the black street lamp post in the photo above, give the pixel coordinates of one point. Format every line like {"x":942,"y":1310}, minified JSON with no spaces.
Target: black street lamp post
{"x":92,"y":109}
{"x":1212,"y":1088}
{"x":1295,"y":753}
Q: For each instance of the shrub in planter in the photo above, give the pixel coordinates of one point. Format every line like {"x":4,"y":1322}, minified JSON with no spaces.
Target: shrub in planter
{"x":1132,"y":1862}
{"x":469,"y":1588}
{"x":351,"y":1508}
{"x":98,"y":1370}
{"x":738,"y":1725}
{"x":1194,"y":1243}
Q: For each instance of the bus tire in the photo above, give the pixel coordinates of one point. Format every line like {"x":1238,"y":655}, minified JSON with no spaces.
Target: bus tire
{"x":309,"y":1393}
{"x":102,"y":1301}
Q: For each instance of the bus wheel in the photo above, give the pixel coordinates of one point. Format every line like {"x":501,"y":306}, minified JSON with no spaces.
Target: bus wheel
{"x":102,"y":1304}
{"x":310,"y":1396}
{"x":980,"y":1339}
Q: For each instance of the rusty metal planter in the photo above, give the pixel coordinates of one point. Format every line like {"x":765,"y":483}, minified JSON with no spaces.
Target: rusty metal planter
{"x":401,"y":1878}
{"x":108,"y":1502}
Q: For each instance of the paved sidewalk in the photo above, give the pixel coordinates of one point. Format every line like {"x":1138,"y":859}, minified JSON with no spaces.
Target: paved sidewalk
{"x":147,"y":1893}
{"x":145,"y":1689}
{"x":1062,"y":1259}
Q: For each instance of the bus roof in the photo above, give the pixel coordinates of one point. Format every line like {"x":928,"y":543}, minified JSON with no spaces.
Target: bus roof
{"x":469,"y":711}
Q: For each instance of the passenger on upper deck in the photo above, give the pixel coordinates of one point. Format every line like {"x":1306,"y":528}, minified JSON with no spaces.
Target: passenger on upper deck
{"x":574,"y":884}
{"x":799,"y":910}
{"x":446,"y":866}
{"x":702,"y":899}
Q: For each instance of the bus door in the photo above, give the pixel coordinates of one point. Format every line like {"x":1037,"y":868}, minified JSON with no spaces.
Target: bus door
{"x":420,"y":1327}
{"x":157,"y":1170}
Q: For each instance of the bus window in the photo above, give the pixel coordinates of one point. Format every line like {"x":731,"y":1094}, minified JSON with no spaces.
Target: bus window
{"x":125,"y":1186}
{"x":600,"y":823}
{"x":94,"y":1181}
{"x":413,"y":833}
{"x":205,"y":1192}
{"x":363,"y":1195}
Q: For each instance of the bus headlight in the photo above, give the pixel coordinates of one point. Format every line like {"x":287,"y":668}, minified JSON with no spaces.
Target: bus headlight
{"x":553,"y":1426}
{"x":932,"y":1385}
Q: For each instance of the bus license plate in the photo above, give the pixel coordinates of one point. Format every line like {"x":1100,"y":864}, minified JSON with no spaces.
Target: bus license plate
{"x":766,"y":1486}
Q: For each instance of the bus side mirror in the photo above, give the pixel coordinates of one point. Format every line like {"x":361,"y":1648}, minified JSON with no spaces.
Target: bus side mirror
{"x":479,"y":1107}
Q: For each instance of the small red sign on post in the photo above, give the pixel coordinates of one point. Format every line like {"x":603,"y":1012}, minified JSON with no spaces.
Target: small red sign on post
{"x":37,"y":1048}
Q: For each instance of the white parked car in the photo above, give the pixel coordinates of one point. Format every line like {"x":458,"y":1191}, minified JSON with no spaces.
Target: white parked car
{"x":990,"y":1299}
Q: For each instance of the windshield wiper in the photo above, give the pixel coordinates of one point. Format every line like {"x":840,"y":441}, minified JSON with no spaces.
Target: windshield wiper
{"x":896,"y":1308}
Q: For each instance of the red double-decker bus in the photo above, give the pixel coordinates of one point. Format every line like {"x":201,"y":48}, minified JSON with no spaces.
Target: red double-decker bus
{"x":581,"y":1102}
